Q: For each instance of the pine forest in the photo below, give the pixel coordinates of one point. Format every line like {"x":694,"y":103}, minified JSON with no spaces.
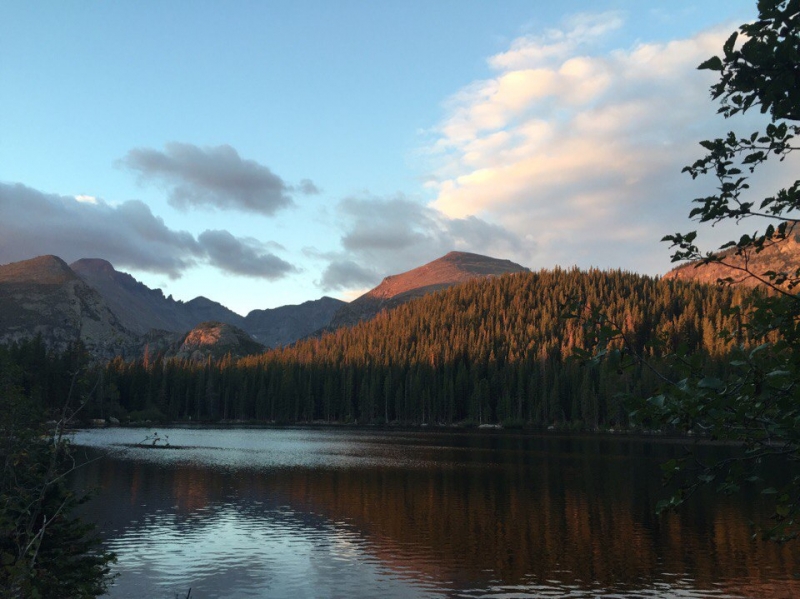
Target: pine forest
{"x":495,"y":351}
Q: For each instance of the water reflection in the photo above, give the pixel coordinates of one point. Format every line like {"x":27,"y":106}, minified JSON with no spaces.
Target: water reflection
{"x":266,"y":513}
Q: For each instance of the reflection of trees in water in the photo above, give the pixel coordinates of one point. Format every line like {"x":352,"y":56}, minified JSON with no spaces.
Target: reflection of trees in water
{"x":583,"y":518}
{"x":572,"y":532}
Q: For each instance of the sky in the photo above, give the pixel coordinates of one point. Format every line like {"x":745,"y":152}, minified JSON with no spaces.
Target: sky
{"x":268,"y":153}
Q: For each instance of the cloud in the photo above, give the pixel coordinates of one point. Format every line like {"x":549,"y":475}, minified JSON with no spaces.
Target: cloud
{"x":128,"y":235}
{"x":581,"y":30}
{"x":33,"y":223}
{"x":307,"y":187}
{"x":345,"y":274}
{"x":247,"y":257}
{"x":578,"y":148}
{"x":388,"y":235}
{"x":214,"y":177}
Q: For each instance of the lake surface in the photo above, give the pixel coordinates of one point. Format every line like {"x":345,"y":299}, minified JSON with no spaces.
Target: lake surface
{"x":295,"y":513}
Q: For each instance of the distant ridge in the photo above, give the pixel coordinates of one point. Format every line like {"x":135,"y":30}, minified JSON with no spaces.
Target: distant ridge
{"x":137,"y":306}
{"x":276,"y":327}
{"x":30,"y":290}
{"x":114,"y":314}
{"x":783,"y":256}
{"x":202,"y":309}
{"x":451,"y":269}
{"x":142,"y":309}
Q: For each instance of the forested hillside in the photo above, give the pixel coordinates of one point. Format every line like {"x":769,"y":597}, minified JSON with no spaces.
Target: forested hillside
{"x":487,"y":351}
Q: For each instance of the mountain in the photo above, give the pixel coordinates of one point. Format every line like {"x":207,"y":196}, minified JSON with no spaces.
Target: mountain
{"x":202,"y":309}
{"x":281,"y":326}
{"x":142,"y":309}
{"x":449,"y":270}
{"x":44,"y":296}
{"x":779,"y":257}
{"x":124,"y":313}
{"x":137,"y":306}
{"x":217,"y":339}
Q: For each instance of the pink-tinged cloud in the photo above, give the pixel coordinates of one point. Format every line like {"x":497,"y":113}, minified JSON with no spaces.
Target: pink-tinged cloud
{"x":580,"y":151}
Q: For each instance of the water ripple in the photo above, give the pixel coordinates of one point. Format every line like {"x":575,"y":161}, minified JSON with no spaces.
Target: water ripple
{"x":318,"y":514}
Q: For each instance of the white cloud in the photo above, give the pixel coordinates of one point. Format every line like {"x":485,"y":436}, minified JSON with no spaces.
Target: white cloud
{"x":578,"y":148}
{"x":557,"y":44}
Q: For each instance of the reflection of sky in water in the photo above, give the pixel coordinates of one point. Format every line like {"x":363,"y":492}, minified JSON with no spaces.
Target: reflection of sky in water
{"x":349,"y":513}
{"x":248,"y":448}
{"x":229,"y":553}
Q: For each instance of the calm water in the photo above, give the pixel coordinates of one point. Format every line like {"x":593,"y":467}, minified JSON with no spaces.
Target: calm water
{"x":296,"y":513}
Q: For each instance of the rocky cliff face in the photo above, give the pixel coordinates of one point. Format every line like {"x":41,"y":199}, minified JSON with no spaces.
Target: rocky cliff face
{"x":783,"y":256}
{"x":116,"y":314}
{"x":449,"y":270}
{"x":44,"y":296}
{"x":137,"y":306}
{"x":216,"y":339}
{"x":142,"y":309}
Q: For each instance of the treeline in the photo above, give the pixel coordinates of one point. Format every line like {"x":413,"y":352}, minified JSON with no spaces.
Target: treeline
{"x":47,"y":381}
{"x":488,"y":351}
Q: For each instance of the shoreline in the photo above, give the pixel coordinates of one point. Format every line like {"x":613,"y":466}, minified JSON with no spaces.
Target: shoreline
{"x":551,"y":431}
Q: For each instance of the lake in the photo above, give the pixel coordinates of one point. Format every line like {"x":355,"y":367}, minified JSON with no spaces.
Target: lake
{"x":295,"y":513}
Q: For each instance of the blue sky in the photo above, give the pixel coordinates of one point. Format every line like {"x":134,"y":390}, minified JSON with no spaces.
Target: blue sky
{"x":267,"y":153}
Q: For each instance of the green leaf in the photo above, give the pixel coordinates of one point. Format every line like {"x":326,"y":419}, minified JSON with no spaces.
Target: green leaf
{"x":728,"y":47}
{"x":713,"y":64}
{"x":779,"y":373}
{"x":710,"y":382}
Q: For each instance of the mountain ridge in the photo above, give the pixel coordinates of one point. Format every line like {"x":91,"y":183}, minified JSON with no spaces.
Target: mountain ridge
{"x":38,"y":294}
{"x":782,"y":256}
{"x":451,"y":269}
{"x":43,"y":296}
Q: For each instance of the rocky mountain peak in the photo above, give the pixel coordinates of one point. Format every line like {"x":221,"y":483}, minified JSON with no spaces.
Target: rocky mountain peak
{"x":44,"y":296}
{"x":92,"y":265}
{"x":43,"y":270}
{"x":451,"y":269}
{"x":202,"y":301}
